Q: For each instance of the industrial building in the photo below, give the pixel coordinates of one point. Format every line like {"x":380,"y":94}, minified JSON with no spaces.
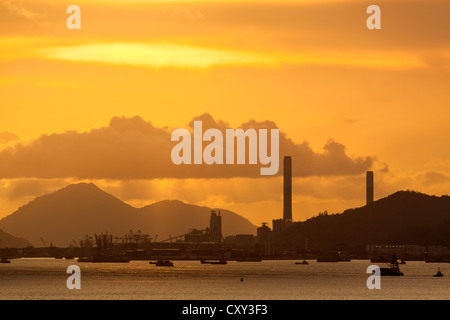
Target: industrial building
{"x":215,"y":227}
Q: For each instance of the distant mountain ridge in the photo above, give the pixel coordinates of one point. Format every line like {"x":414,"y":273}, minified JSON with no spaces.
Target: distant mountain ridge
{"x":80,"y":209}
{"x":9,"y":241}
{"x":405,"y":217}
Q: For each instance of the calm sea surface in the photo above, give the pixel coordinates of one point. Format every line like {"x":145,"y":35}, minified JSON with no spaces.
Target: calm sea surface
{"x":273,"y":280}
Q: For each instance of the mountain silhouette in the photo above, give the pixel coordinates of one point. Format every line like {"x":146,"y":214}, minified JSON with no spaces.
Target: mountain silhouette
{"x":9,"y":241}
{"x":405,"y":217}
{"x":80,"y":209}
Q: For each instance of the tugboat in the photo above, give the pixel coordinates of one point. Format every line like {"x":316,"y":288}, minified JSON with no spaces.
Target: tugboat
{"x":393,"y":269}
{"x":438,"y":274}
{"x":163,"y":263}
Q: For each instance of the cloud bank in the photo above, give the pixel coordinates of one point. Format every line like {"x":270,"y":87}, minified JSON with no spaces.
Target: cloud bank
{"x":157,"y":55}
{"x":132,"y":148}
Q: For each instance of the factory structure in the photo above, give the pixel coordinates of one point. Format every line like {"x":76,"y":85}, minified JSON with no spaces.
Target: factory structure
{"x":210,"y":244}
{"x":267,"y":238}
{"x":207,"y":243}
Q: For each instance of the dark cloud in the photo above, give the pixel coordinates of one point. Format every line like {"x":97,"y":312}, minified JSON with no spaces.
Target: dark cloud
{"x":131,"y":148}
{"x":431,"y":178}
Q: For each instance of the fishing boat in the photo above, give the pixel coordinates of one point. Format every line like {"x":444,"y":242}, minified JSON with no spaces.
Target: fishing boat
{"x":393,"y":268}
{"x":438,"y":274}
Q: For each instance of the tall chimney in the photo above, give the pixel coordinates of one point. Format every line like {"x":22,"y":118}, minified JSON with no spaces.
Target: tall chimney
{"x":287,"y":188}
{"x":369,"y":187}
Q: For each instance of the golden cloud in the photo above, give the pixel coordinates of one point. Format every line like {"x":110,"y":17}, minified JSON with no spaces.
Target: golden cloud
{"x":156,"y":55}
{"x":131,"y":148}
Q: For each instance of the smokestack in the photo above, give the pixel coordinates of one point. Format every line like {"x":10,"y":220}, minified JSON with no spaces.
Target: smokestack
{"x":215,"y":226}
{"x":287,"y":188}
{"x":369,"y":187}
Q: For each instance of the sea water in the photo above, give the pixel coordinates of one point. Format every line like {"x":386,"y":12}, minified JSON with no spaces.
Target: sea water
{"x":44,"y":278}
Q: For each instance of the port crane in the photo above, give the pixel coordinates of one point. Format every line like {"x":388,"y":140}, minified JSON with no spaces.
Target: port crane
{"x":173,"y":238}
{"x":45,"y":245}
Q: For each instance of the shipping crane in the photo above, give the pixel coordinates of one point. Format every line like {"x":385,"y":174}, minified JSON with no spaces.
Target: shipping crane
{"x":45,"y":245}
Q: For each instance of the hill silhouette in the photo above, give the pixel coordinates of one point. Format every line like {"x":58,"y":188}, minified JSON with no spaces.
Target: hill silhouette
{"x":9,"y":241}
{"x":404,"y":217}
{"x":80,"y":209}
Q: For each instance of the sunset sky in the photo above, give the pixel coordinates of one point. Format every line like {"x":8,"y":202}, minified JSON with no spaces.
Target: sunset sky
{"x":99,"y":104}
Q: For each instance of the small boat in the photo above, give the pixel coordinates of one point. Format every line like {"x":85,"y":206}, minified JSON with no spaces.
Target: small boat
{"x":111,"y":259}
{"x":222,"y":261}
{"x":303,"y":262}
{"x":4,"y":260}
{"x":438,"y":274}
{"x":164,"y":263}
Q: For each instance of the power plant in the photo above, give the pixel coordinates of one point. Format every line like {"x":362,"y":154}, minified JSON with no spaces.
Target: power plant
{"x":269,"y":241}
{"x":207,"y":243}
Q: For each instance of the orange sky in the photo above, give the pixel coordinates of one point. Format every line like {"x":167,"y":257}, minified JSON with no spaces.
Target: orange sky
{"x":311,"y":67}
